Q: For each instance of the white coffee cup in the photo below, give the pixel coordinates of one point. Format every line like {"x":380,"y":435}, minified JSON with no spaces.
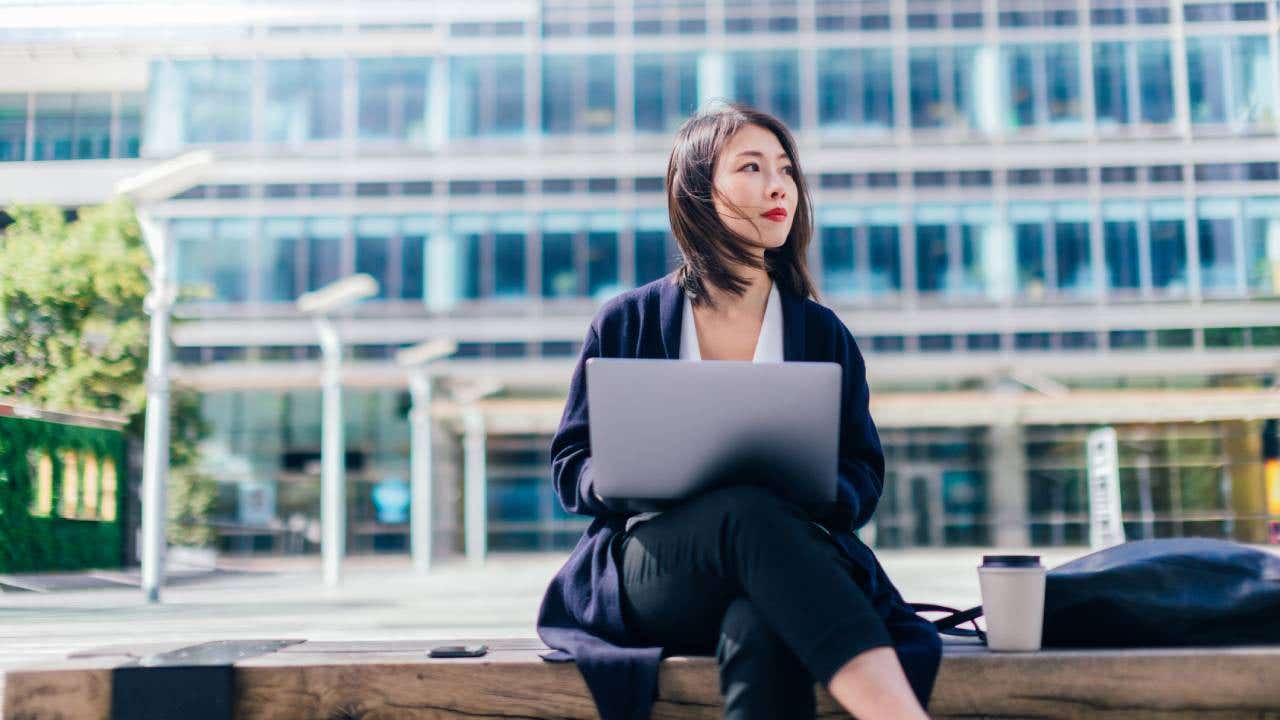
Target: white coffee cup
{"x":1012,"y":601}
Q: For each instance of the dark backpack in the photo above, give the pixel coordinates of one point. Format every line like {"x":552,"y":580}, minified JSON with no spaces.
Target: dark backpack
{"x":1147,"y":593}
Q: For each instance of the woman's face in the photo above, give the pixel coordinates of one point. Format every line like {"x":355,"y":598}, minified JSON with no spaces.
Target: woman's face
{"x":754,"y":173}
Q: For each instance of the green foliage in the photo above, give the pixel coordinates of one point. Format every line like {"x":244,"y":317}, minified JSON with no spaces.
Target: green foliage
{"x":53,"y":543}
{"x":74,"y":336}
{"x":191,"y":491}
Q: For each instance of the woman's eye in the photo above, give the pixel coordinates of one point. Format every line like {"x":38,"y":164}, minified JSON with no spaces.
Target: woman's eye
{"x":790,"y":170}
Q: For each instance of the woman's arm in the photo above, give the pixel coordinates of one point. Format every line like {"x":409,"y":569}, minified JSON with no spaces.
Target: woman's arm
{"x":860,"y":469}
{"x":571,"y":445}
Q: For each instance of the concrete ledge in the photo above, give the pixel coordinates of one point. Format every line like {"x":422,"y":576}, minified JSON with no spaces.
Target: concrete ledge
{"x":396,"y":680}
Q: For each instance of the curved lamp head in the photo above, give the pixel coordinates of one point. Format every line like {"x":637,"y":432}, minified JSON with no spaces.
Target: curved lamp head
{"x":164,"y":180}
{"x":338,"y":294}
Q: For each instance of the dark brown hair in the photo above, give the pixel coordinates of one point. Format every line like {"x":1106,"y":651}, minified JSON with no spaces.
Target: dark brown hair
{"x":709,"y":247}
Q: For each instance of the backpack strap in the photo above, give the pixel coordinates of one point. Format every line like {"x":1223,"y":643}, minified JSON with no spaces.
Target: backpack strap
{"x":948,"y":625}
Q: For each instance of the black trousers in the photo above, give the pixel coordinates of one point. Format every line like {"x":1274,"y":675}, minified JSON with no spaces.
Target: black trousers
{"x":742,"y":573}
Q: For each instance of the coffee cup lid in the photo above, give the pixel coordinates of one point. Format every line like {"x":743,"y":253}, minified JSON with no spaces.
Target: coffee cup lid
{"x":1010,"y":561}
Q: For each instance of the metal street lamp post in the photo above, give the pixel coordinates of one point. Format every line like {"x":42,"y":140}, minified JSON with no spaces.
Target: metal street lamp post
{"x":417,"y":359}
{"x":155,"y":185}
{"x":333,"y":500}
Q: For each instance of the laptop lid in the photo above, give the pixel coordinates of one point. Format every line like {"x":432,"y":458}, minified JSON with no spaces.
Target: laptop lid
{"x":663,"y":430}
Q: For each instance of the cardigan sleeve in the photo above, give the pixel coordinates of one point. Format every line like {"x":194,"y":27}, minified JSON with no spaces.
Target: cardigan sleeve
{"x":571,"y":445}
{"x":860,"y":470}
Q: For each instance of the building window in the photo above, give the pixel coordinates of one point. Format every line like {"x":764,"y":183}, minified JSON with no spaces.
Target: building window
{"x":373,"y":189}
{"x":1042,"y":85}
{"x":1217,"y":225}
{"x":578,"y":94}
{"x":393,"y":96}
{"x":1071,"y":176}
{"x":580,"y":255}
{"x":486,"y":96}
{"x":304,"y":100}
{"x":1128,"y":339}
{"x":959,"y":252}
{"x":72,"y":126}
{"x":1051,"y":248}
{"x":1121,"y":243}
{"x":654,"y":17}
{"x":198,"y":101}
{"x":648,"y":184}
{"x":373,"y":237}
{"x":855,"y":90}
{"x":13,"y":126}
{"x":508,"y":187}
{"x":1166,"y":228}
{"x":1229,"y":81}
{"x":415,"y":233}
{"x":947,"y":85}
{"x":602,"y":185}
{"x":1025,"y":176}
{"x":982,"y":342}
{"x":652,"y":258}
{"x":768,"y":80}
{"x":557,"y":186}
{"x":1119,"y":174}
{"x":1262,"y":245}
{"x":211,"y":257}
{"x":323,"y":242}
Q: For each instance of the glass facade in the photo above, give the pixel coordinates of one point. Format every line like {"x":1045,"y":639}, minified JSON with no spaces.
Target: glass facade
{"x":966,"y":158}
{"x":964,"y":91}
{"x":70,"y":126}
{"x":963,"y":252}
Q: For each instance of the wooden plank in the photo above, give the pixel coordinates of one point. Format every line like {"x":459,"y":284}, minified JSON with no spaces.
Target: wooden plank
{"x":1132,"y":683}
{"x":374,"y":680}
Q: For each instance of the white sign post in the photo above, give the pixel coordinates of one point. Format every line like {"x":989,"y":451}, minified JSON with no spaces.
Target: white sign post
{"x":1105,"y":526}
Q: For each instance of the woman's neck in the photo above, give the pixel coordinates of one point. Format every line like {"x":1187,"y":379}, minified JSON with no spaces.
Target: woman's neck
{"x":751,"y":304}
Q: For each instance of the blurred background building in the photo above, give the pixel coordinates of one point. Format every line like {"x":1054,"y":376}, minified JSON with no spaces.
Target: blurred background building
{"x":1037,"y":217}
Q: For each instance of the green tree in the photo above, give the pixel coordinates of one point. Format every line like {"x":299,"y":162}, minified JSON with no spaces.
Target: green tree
{"x":74,"y":335}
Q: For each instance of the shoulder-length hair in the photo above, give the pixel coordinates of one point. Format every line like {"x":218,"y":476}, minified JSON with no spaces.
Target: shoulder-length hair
{"x":709,"y":247}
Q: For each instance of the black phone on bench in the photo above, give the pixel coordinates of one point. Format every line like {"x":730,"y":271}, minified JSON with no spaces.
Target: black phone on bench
{"x":457,"y":651}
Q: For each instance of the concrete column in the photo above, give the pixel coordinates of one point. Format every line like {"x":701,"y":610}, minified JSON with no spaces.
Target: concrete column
{"x":474,"y":501}
{"x":1007,"y":490}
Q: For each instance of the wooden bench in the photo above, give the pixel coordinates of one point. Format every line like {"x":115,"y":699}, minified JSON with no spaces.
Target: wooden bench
{"x":375,"y":680}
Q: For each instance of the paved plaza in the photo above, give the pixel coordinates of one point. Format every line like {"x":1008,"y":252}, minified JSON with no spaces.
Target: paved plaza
{"x":380,"y":599}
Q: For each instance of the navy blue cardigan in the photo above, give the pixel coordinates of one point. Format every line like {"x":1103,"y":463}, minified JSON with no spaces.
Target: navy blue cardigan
{"x":581,"y":613}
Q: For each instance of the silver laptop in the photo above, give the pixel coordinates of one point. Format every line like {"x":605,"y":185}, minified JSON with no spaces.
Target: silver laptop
{"x":664,"y":430}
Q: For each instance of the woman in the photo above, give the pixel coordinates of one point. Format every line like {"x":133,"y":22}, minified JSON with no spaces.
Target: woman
{"x":780,"y":598}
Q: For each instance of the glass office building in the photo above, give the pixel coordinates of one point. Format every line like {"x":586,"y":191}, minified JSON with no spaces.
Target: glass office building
{"x":1038,"y":217}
